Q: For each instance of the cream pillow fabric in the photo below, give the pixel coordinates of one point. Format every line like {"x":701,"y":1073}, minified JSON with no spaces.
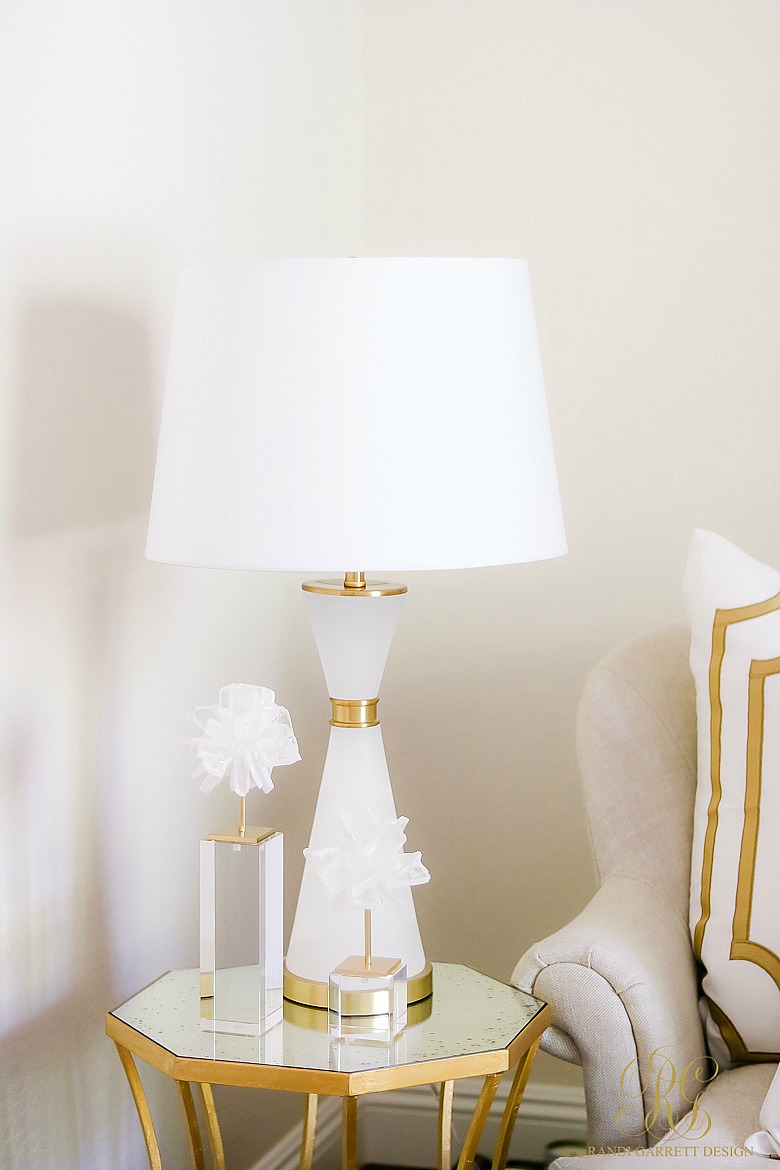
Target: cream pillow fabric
{"x":733,"y":604}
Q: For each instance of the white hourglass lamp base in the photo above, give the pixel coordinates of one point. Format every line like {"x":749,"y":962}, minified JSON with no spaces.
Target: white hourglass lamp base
{"x":353,"y":635}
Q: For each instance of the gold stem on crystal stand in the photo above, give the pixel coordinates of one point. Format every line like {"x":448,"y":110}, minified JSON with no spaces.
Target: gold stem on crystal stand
{"x":242,"y":816}
{"x":354,"y":580}
{"x":367,"y":937}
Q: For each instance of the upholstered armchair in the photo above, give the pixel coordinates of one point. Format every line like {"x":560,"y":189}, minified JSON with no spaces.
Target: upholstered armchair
{"x":621,"y":977}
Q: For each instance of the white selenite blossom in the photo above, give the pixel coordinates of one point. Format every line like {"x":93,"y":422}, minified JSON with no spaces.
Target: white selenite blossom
{"x":370,"y":864}
{"x":245,"y":736}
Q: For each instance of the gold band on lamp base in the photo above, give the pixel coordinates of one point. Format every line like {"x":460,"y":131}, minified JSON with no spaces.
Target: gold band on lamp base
{"x":310,"y":993}
{"x":316,"y":1020}
{"x":354,"y":713}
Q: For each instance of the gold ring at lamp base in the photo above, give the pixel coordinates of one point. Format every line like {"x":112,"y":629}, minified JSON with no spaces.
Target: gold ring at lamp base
{"x":368,"y":589}
{"x":316,"y":1019}
{"x":354,"y":713}
{"x":310,"y":993}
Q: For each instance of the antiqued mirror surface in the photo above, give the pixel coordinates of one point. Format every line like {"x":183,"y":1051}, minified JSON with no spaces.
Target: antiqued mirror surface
{"x":469,"y":1013}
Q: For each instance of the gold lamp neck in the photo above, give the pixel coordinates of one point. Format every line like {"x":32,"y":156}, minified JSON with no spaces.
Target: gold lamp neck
{"x":354,"y":580}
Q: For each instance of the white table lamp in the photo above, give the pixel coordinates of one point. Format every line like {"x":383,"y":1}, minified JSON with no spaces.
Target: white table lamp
{"x":357,"y":415}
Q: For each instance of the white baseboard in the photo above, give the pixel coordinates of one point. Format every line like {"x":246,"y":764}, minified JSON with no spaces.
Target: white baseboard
{"x":399,"y":1128}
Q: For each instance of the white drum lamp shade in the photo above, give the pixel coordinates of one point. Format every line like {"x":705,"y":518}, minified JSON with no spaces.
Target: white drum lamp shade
{"x":375,"y":414}
{"x":356,"y":415}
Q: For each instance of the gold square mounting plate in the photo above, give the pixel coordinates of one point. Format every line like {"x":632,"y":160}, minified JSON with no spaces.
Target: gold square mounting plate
{"x":253,"y":835}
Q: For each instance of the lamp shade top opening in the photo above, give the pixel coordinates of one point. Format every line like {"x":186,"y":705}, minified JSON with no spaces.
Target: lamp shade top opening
{"x":373,"y":414}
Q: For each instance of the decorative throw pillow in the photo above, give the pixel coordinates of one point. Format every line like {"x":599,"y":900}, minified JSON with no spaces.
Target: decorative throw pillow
{"x":733,"y":604}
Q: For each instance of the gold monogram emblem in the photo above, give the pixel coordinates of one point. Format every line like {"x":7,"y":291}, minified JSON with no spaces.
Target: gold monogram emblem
{"x":663,"y":1116}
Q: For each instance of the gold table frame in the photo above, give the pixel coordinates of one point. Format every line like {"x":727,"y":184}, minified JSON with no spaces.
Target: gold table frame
{"x":313,"y":1083}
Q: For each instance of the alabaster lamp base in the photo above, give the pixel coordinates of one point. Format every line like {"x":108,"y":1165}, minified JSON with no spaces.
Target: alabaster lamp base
{"x":353,"y":627}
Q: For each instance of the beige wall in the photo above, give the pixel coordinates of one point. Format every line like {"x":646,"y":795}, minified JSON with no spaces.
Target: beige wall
{"x":133,"y":135}
{"x":628,"y":149}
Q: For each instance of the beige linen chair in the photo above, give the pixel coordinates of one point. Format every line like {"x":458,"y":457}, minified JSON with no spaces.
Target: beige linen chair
{"x":621,"y":977}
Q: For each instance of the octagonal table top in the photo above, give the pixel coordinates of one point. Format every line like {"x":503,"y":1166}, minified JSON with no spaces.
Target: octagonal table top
{"x":476,"y":1025}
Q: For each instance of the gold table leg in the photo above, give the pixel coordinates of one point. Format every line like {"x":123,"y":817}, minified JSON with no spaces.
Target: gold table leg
{"x":309,"y":1127}
{"x":478,"y":1120}
{"x":349,"y":1134}
{"x":139,"y":1097}
{"x":445,"y":1125}
{"x":512,"y":1105}
{"x":196,"y":1144}
{"x":215,"y":1137}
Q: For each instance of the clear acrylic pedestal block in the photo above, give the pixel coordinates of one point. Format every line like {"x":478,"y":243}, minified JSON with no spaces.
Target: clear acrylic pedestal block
{"x":241,"y":917}
{"x":367,"y":1003}
{"x":349,"y":1055}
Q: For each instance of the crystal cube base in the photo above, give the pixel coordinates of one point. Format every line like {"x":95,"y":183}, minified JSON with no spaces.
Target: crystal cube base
{"x":368,"y":1004}
{"x":241,"y":962}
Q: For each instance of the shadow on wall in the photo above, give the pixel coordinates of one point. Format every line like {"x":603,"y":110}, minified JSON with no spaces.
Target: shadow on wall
{"x":85,"y":452}
{"x":84,"y":456}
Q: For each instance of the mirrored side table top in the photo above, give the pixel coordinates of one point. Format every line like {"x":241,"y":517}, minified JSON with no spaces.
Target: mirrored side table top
{"x":472,"y":1026}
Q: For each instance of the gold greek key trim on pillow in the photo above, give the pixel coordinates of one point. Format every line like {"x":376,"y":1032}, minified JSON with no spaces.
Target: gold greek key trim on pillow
{"x":742,"y":946}
{"x":723,"y":619}
{"x":736,"y":1045}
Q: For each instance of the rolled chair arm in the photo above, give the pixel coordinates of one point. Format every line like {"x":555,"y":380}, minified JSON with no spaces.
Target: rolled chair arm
{"x":622,"y":985}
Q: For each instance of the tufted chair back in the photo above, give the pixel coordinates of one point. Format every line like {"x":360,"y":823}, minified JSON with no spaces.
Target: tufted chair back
{"x":636,"y":746}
